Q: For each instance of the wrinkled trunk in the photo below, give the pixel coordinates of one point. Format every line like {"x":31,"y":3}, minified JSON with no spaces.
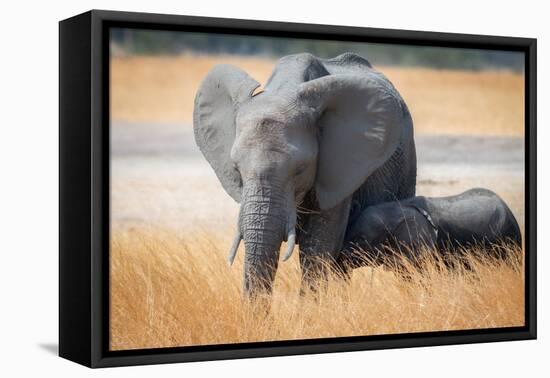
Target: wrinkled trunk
{"x":263,"y":225}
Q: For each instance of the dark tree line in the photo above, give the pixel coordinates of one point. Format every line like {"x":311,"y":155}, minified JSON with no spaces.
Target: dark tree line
{"x":148,"y":42}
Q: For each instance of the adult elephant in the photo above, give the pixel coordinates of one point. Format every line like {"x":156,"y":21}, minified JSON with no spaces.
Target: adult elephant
{"x":326,"y":137}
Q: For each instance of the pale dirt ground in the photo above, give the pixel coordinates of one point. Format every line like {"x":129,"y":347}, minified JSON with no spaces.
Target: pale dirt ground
{"x":159,"y":176}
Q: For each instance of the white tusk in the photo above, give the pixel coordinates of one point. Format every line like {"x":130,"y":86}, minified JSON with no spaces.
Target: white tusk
{"x":291,"y":237}
{"x":291,"y":241}
{"x":234,"y":248}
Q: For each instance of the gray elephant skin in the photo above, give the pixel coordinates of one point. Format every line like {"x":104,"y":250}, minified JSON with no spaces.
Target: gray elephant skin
{"x":325,"y":139}
{"x":477,"y":217}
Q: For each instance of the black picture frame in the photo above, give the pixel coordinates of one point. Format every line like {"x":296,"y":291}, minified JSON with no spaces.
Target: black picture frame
{"x":84,"y":188}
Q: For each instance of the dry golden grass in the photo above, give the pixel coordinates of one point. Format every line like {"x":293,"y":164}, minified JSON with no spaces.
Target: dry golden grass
{"x":174,"y":290}
{"x":462,"y":102}
{"x":162,"y":89}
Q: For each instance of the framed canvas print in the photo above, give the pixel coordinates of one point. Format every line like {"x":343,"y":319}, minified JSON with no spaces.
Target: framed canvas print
{"x":234,"y":188}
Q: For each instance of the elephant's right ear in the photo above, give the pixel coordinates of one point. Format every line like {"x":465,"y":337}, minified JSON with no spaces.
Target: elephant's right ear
{"x":217,"y":100}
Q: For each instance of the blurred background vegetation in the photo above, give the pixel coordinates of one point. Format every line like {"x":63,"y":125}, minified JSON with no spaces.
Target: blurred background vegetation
{"x":152,"y":42}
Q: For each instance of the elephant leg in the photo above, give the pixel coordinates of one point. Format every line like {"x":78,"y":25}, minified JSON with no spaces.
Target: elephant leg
{"x":321,"y":239}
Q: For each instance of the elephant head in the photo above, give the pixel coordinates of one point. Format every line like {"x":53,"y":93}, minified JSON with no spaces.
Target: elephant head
{"x":310,"y":130}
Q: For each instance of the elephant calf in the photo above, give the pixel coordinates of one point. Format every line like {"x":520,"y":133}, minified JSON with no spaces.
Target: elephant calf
{"x":475,"y":217}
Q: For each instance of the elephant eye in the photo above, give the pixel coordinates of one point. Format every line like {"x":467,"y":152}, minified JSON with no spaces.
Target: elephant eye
{"x":301,"y":169}
{"x":236,"y":168}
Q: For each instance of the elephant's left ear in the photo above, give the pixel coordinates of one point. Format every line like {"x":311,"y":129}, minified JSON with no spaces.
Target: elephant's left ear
{"x":361,"y":118}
